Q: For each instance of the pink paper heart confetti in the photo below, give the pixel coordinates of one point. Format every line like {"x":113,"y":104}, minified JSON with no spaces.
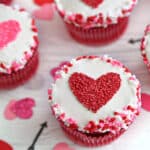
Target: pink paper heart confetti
{"x":8,"y":113}
{"x":45,"y":12}
{"x":62,"y":146}
{"x":146,"y":101}
{"x":21,"y":109}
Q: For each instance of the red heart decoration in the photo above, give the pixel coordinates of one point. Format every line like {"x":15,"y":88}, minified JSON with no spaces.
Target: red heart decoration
{"x":93,"y":3}
{"x":93,"y":94}
{"x":5,"y":146}
{"x":8,"y":32}
{"x":41,"y":2}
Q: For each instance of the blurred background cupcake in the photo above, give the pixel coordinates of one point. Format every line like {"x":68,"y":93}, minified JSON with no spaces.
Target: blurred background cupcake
{"x":18,"y":47}
{"x":95,"y":21}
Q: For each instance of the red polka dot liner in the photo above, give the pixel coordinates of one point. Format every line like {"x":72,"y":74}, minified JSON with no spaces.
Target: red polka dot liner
{"x":144,"y":43}
{"x":92,"y":95}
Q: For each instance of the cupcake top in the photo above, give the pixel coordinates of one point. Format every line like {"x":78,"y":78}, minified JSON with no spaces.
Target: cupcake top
{"x":145,"y":46}
{"x":18,"y":39}
{"x":95,"y":94}
{"x":92,"y":13}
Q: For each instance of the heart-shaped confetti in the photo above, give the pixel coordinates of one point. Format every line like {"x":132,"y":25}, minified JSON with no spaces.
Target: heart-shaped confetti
{"x":62,"y":146}
{"x":45,"y":12}
{"x":8,"y":32}
{"x":8,"y":113}
{"x":146,"y":101}
{"x":93,"y":3}
{"x":21,"y":109}
{"x":93,"y":94}
{"x":5,"y":146}
{"x":41,"y":2}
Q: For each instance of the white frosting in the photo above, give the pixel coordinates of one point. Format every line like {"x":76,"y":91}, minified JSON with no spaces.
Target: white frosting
{"x":107,"y":8}
{"x":14,"y":51}
{"x":63,"y":96}
{"x":147,"y":46}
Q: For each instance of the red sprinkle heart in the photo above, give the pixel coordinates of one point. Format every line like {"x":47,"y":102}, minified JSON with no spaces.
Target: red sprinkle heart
{"x":93,"y":3}
{"x":8,"y":32}
{"x":5,"y":146}
{"x":93,"y":94}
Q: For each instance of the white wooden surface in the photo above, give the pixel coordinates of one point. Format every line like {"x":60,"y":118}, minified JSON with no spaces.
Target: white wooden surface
{"x":56,"y":46}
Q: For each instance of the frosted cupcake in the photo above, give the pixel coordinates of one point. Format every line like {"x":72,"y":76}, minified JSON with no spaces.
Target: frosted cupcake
{"x":6,"y":2}
{"x":145,"y":47}
{"x":95,"y":99}
{"x":95,"y":21}
{"x":18,"y":47}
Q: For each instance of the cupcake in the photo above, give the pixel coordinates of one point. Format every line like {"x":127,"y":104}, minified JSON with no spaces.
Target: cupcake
{"x":145,"y":47}
{"x":18,"y":47}
{"x":95,"y":21}
{"x":6,"y":2}
{"x":95,"y":99}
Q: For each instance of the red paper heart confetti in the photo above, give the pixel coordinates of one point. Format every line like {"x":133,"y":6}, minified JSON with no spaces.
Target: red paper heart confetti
{"x":93,"y":94}
{"x":62,"y":146}
{"x":6,"y":2}
{"x":146,"y":101}
{"x":93,"y":3}
{"x":5,"y":146}
{"x":8,"y":32}
{"x":41,"y":2}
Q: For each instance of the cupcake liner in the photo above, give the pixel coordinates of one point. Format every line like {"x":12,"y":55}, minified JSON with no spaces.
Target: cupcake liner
{"x":98,"y":35}
{"x":15,"y":79}
{"x":90,"y":140}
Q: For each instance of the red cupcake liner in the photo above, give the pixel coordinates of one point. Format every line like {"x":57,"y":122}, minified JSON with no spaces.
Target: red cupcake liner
{"x":89,"y":139}
{"x":8,"y":81}
{"x":98,"y":35}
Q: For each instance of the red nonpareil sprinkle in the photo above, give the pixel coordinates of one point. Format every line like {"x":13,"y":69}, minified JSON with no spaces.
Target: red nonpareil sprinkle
{"x":93,"y":3}
{"x":78,"y":18}
{"x":91,"y":127}
{"x":93,"y":94}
